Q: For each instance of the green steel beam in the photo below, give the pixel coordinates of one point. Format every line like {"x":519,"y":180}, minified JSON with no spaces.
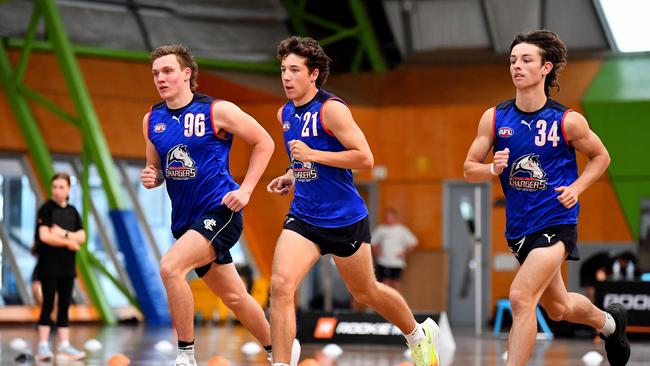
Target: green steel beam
{"x":368,"y":37}
{"x":43,"y":162}
{"x":358,"y":57}
{"x":339,"y":36}
{"x":90,"y":126}
{"x":363,"y":31}
{"x":322,"y":22}
{"x":29,"y":38}
{"x":259,"y":67}
{"x":97,"y":264}
{"x":84,"y":257}
{"x":296,"y":12}
{"x":26,"y":122}
{"x":47,"y":104}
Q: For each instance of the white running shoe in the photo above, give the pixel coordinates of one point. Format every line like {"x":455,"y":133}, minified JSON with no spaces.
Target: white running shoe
{"x":295,"y":354}
{"x":185,"y":359}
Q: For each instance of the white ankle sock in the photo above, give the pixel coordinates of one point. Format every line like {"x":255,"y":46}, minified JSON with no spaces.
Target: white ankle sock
{"x":64,"y":344}
{"x":280,"y":364}
{"x":610,"y":325}
{"x":416,"y":336}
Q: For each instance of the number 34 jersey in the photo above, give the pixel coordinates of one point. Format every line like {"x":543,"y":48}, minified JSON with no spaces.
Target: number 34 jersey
{"x":324,"y":196}
{"x":541,"y":159}
{"x":193,"y":158}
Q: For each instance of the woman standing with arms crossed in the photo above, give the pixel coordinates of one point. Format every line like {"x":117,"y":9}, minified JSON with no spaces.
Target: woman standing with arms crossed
{"x":59,"y":235}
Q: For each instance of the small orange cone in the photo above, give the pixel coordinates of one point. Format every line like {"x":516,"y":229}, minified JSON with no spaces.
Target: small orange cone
{"x":218,"y":361}
{"x":405,"y":363}
{"x":118,"y":359}
{"x":309,"y":362}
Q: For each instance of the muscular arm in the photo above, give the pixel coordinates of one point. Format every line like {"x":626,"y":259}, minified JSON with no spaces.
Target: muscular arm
{"x":232,"y":119}
{"x":337,"y":118}
{"x":475,"y":169}
{"x":585,"y":141}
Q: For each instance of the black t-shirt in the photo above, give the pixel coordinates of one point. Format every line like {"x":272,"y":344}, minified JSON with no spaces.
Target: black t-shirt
{"x":56,"y":261}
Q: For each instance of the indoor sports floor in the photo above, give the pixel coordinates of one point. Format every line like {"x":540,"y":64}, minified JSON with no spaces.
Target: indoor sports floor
{"x":137,"y":342}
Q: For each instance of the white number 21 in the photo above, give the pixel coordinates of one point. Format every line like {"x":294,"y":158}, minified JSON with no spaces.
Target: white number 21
{"x":314,"y":127}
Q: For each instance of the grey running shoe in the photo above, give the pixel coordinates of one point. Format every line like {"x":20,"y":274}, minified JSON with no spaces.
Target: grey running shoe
{"x":69,"y":353}
{"x":43,"y":353}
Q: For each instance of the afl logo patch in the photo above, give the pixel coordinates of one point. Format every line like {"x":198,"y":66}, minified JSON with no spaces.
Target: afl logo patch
{"x":286,"y":126}
{"x":506,"y":132}
{"x":160,"y":128}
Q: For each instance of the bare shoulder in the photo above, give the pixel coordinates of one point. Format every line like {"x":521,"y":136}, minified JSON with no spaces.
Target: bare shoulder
{"x":145,"y":124}
{"x":488,"y":115}
{"x":222,"y":108}
{"x":336,"y":113}
{"x":575,"y":125}
{"x":279,"y":113}
{"x":335,"y":106}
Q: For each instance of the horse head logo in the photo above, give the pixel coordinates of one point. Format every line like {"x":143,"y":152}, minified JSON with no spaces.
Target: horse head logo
{"x":179,"y":153}
{"x":528,"y":164}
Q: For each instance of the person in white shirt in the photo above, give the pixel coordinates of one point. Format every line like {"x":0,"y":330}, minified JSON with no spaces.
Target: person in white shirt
{"x":392,"y":242}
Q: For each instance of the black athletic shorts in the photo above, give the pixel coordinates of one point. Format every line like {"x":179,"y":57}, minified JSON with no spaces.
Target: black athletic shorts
{"x":387,"y":273}
{"x":340,"y":241}
{"x":568,"y":234}
{"x":223,"y":228}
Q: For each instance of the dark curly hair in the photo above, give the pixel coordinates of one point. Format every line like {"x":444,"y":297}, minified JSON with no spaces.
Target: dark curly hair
{"x":553,"y":51}
{"x":309,"y":49}
{"x":184,"y":57}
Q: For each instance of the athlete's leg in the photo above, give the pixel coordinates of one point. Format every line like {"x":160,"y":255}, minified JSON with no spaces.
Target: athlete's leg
{"x":224,"y":281}
{"x":357,"y":272}
{"x":530,"y":282}
{"x":294,"y":257}
{"x":570,"y":306}
{"x":190,"y":251}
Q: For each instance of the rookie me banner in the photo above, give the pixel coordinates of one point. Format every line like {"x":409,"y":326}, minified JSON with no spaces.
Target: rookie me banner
{"x":351,"y":327}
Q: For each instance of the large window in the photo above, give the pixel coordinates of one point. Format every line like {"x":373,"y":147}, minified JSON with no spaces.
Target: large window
{"x":627,"y":22}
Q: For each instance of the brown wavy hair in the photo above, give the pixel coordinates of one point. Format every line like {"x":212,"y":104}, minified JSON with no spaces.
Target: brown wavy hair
{"x":552,"y":49}
{"x":311,"y":50}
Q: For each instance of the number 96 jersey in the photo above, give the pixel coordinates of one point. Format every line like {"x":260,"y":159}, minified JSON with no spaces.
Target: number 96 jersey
{"x":324,"y":196}
{"x":193,"y":158}
{"x":540,"y":160}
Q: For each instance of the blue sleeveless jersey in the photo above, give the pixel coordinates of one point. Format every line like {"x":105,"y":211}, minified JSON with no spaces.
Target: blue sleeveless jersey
{"x":193,"y":158}
{"x":324,"y":196}
{"x":540,"y":161}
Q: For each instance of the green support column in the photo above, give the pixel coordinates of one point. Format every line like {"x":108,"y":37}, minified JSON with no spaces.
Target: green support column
{"x":27,"y":123}
{"x":362,"y":31}
{"x":90,"y":125}
{"x":83,"y":256}
{"x":367,"y":36}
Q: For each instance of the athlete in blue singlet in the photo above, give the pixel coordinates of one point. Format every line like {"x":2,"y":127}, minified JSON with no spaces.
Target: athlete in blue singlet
{"x":534,"y":140}
{"x":188,"y":138}
{"x":327,"y":214}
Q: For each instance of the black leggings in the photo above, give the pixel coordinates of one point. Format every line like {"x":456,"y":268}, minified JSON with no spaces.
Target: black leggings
{"x":63,"y":287}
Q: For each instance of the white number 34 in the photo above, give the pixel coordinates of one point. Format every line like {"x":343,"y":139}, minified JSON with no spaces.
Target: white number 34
{"x":541,"y":138}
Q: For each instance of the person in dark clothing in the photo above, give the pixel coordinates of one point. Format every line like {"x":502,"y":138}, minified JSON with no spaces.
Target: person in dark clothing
{"x":59,"y":235}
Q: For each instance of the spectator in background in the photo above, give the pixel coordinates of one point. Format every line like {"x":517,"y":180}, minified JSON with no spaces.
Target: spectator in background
{"x":59,"y":235}
{"x":392,"y":242}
